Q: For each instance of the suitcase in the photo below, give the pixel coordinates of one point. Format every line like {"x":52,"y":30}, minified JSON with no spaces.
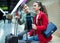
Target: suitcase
{"x":11,"y":39}
{"x":51,"y":28}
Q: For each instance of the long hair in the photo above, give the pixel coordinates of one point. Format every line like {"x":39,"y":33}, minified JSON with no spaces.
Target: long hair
{"x":43,"y":8}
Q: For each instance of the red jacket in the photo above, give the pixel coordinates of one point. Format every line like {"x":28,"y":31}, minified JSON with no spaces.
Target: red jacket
{"x":42,"y":19}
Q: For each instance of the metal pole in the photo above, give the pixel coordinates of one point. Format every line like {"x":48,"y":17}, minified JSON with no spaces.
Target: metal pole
{"x":16,"y":27}
{"x":18,"y":4}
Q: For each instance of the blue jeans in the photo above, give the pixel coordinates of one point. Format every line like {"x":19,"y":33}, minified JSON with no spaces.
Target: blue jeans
{"x":31,"y":38}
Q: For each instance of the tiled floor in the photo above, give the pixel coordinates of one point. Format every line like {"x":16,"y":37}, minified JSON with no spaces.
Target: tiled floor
{"x":55,"y":39}
{"x":9,"y":28}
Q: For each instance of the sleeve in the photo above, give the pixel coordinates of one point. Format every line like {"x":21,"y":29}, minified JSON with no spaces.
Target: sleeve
{"x":44,"y":23}
{"x":21,"y":21}
{"x":31,"y":32}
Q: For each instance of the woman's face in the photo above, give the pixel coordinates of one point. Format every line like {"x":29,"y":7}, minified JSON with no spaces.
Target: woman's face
{"x":25,"y":8}
{"x":35,"y":7}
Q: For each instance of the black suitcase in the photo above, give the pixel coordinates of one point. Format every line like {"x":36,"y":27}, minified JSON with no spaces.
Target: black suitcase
{"x":11,"y":39}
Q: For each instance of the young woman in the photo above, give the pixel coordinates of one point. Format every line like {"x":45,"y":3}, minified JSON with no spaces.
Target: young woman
{"x":40,"y":23}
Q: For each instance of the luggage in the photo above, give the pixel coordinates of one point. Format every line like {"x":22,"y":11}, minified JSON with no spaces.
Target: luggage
{"x":11,"y":39}
{"x":51,"y":28}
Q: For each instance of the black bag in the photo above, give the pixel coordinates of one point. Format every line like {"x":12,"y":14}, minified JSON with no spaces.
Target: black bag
{"x":51,"y":28}
{"x":11,"y":39}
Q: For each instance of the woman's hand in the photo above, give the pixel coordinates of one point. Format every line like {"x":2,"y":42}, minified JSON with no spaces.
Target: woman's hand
{"x":34,"y":26}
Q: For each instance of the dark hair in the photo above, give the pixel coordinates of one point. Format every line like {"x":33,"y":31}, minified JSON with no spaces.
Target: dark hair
{"x":43,"y":8}
{"x":21,"y":6}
